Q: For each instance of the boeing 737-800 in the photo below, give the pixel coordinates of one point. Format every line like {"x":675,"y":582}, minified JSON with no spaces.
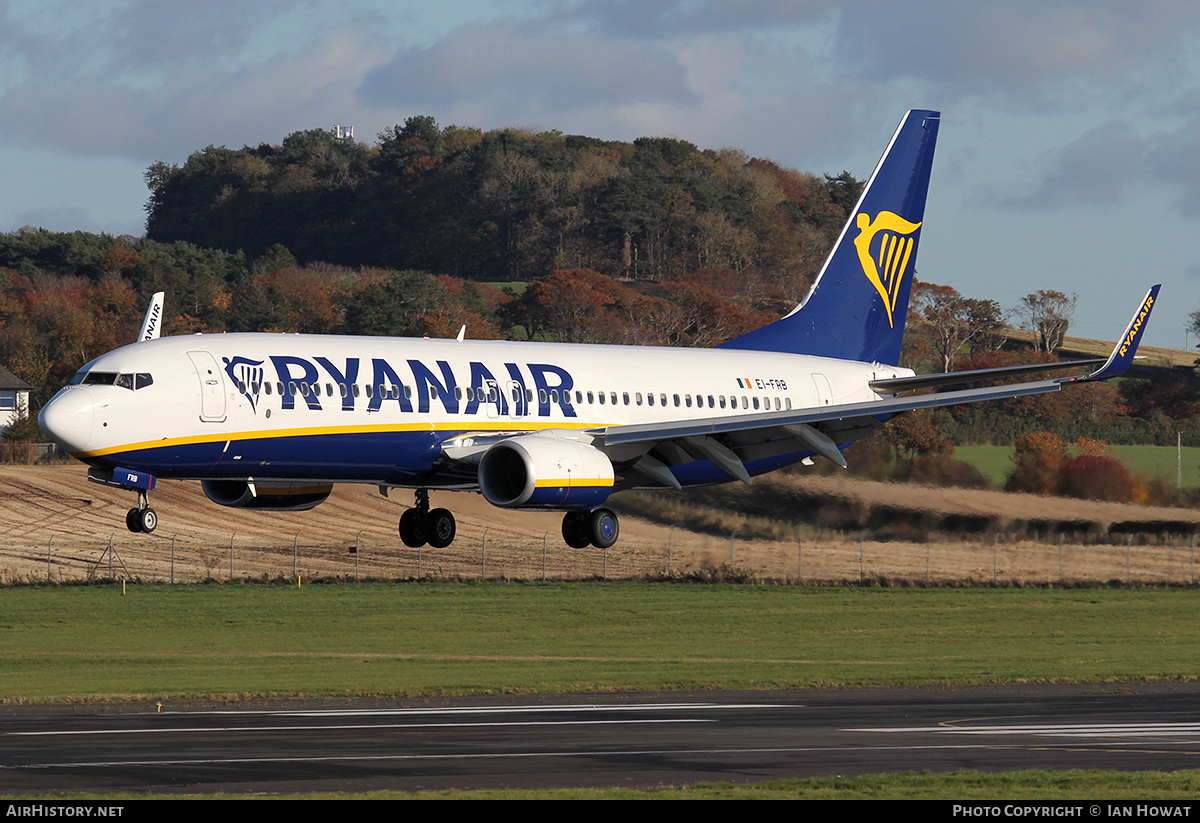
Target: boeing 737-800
{"x":273,"y":421}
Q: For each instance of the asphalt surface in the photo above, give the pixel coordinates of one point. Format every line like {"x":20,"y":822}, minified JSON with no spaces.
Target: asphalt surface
{"x":634,"y":740}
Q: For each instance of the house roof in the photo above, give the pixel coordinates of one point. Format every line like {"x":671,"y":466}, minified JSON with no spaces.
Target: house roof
{"x":10,"y":381}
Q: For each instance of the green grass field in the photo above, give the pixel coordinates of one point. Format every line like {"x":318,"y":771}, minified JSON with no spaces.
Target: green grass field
{"x":995,"y":462}
{"x":162,"y":643}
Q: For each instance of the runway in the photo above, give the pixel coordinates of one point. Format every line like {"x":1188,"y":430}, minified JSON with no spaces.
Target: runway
{"x":627,"y":740}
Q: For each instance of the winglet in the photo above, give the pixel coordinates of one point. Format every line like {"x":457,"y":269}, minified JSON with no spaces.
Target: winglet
{"x":1122,"y":354}
{"x":153,"y":320}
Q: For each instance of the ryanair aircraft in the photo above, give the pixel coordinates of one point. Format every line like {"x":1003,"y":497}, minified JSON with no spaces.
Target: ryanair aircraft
{"x":272,"y":421}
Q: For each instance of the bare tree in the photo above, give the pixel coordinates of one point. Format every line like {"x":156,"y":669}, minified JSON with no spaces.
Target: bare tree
{"x":1048,"y":315}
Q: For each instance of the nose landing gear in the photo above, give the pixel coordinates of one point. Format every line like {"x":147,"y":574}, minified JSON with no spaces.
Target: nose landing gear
{"x":143,"y":518}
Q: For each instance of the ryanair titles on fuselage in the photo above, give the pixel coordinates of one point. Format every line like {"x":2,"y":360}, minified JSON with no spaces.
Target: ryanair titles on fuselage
{"x":507,"y":394}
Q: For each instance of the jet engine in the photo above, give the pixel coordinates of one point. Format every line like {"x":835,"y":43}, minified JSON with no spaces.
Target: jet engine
{"x":539,"y":472}
{"x":250,"y":494}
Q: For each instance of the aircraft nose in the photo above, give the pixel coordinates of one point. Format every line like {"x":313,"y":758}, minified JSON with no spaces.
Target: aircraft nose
{"x":67,"y":419}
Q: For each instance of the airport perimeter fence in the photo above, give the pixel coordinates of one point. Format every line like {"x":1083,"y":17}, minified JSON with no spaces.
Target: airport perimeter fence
{"x":824,"y":558}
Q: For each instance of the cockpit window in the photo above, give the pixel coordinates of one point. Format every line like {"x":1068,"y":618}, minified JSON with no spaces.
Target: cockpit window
{"x":107,"y":378}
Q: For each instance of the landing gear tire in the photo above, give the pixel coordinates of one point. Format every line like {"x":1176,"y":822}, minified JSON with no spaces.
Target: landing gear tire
{"x":441,"y":528}
{"x":133,"y":520}
{"x":576,"y":529}
{"x":605,"y":528}
{"x":414,"y":532}
{"x":148,"y":519}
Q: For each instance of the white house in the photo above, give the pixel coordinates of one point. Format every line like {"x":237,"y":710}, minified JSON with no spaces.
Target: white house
{"x":14,"y":398}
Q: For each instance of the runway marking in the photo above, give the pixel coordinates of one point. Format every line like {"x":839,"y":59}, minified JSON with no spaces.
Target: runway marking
{"x":532,"y":707}
{"x":342,"y":727}
{"x":1056,"y":730}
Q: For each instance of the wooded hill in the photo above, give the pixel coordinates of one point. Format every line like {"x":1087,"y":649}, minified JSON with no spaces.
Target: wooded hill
{"x":504,"y":205}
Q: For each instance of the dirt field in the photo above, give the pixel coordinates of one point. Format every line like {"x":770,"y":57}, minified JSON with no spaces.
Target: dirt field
{"x":53,"y":512}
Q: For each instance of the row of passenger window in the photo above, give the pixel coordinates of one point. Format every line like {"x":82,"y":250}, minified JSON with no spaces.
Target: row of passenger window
{"x":489,"y":395}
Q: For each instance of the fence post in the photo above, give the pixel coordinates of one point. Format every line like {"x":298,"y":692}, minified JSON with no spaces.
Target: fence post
{"x":357,"y":548}
{"x":860,"y":557}
{"x":295,"y":553}
{"x":1060,"y":558}
{"x":49,"y":553}
{"x":173,"y":557}
{"x":1128,"y":549}
{"x":800,"y":560}
{"x":995,"y":557}
{"x":231,"y":554}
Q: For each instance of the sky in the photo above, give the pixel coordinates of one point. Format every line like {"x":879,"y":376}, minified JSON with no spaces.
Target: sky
{"x":1068,"y":156}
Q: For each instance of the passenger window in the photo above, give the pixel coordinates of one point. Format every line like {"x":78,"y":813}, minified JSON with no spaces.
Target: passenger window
{"x":756,"y":403}
{"x":601,"y":398}
{"x":649,"y":399}
{"x":625,"y":398}
{"x":638,"y":398}
{"x":267,"y":388}
{"x":591,"y":399}
{"x":687,"y":400}
{"x":676,"y":401}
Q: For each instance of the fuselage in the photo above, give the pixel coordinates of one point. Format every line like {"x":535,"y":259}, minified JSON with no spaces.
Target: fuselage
{"x":378,"y":410}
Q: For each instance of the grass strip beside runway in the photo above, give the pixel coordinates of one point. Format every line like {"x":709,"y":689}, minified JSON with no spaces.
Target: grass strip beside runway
{"x":91,"y":643}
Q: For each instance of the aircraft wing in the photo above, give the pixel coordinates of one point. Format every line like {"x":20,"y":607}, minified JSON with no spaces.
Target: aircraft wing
{"x":653,"y":448}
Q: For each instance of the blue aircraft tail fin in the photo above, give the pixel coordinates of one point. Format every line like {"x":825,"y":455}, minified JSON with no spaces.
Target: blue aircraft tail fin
{"x":857,"y":306}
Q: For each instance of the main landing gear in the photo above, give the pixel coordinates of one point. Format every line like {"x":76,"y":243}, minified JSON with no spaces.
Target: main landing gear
{"x":599,"y":528}
{"x":143,"y":518}
{"x":419,"y":525}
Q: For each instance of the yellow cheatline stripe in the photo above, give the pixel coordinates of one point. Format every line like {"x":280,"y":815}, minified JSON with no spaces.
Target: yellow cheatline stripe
{"x":567,"y":481}
{"x":309,"y":431}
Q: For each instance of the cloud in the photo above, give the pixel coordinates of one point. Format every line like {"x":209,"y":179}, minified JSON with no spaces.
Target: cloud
{"x":528,"y":72}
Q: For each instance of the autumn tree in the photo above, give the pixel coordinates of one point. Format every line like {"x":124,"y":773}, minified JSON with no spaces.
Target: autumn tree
{"x":951,"y":321}
{"x":1047,"y":314}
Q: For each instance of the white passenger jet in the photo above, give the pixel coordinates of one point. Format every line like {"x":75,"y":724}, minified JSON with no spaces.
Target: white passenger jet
{"x":272,"y":421}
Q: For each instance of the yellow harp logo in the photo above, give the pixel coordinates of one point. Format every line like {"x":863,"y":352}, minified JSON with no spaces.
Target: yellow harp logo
{"x":884,"y":246}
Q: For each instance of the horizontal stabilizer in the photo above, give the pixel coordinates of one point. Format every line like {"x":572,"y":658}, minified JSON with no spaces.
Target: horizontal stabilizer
{"x":152,"y":323}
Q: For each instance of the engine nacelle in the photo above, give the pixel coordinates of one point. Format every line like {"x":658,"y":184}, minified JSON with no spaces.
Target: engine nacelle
{"x":537,"y":472}
{"x":255,"y":494}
